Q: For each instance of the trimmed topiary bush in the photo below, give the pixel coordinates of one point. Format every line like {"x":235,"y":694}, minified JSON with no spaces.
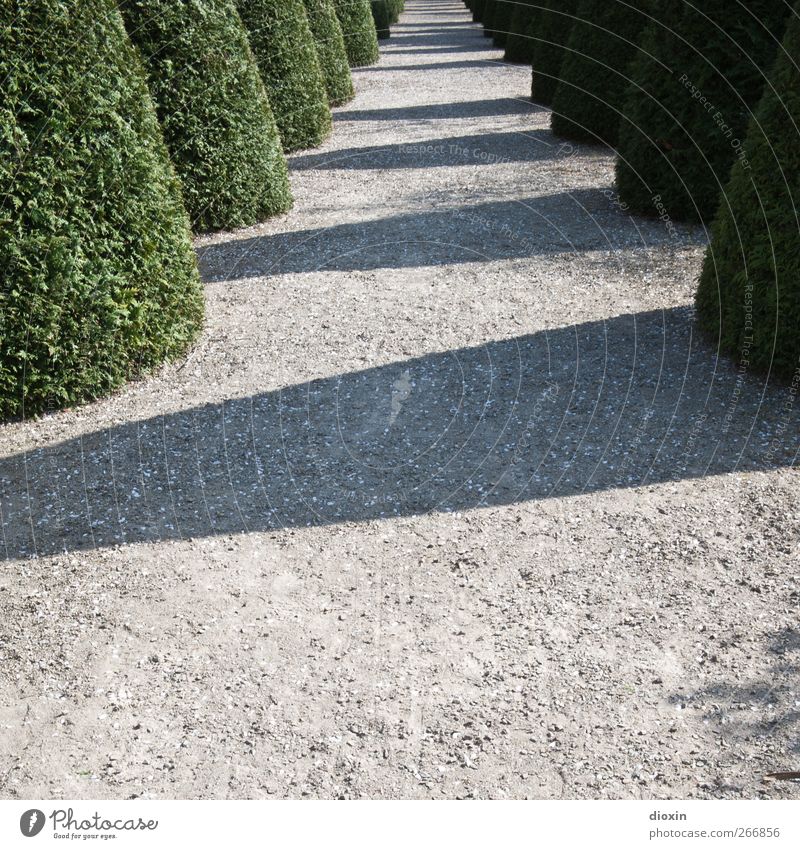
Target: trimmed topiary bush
{"x":552,"y":34}
{"x":98,"y":279}
{"x":327,"y":32}
{"x":699,"y":73}
{"x":489,"y":8}
{"x":501,"y":21}
{"x":396,"y":8}
{"x":284,"y":48}
{"x":382,"y":16}
{"x":522,"y":32}
{"x":360,"y":37}
{"x":213,"y":109}
{"x":749,"y":292}
{"x":595,"y":73}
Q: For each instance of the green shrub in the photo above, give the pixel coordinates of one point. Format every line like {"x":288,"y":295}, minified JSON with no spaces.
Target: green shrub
{"x":501,"y":21}
{"x":328,"y":37}
{"x":396,"y":8}
{"x":99,"y":279}
{"x":284,"y":48}
{"x":360,"y":37}
{"x":489,"y":8}
{"x":213,"y":109}
{"x":382,"y":16}
{"x":478,"y":7}
{"x":522,"y":32}
{"x":697,"y":76}
{"x":552,"y":34}
{"x":595,"y":72}
{"x":749,"y":292}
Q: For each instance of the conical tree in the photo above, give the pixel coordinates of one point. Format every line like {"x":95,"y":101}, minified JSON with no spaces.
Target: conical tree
{"x":749,"y":292}
{"x":595,"y":73}
{"x":522,"y":30}
{"x":284,"y":48}
{"x":98,"y":280}
{"x":327,"y":32}
{"x":501,"y":21}
{"x":552,"y":35}
{"x":360,"y":37}
{"x":489,"y":9}
{"x":213,"y":109}
{"x":699,"y":73}
{"x":382,"y":16}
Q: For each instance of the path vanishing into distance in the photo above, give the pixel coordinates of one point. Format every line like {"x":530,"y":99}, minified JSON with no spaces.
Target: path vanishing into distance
{"x":450,"y":500}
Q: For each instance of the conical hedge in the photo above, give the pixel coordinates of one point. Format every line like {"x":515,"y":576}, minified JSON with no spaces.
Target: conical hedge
{"x":213,"y":109}
{"x":396,"y":8}
{"x":382,"y":16}
{"x":522,"y":31}
{"x":595,"y":73}
{"x":489,"y":9}
{"x":501,"y":20}
{"x":698,"y":75}
{"x":552,"y":35}
{"x":327,"y":32}
{"x":360,"y":37}
{"x":749,"y":292}
{"x":284,"y":48}
{"x":98,"y":280}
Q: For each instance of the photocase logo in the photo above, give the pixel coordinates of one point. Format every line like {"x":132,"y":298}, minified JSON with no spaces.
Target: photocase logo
{"x":31,"y":822}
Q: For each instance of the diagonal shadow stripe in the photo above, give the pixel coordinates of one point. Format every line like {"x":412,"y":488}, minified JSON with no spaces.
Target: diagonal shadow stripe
{"x":631,"y":401}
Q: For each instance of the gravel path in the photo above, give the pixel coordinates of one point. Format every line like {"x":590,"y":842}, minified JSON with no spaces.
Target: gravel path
{"x":449,"y":501}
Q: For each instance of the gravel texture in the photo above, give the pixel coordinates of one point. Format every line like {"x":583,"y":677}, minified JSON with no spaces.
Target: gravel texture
{"x":450,"y":500}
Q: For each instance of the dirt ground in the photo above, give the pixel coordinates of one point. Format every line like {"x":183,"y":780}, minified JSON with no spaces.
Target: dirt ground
{"x":451,"y":500}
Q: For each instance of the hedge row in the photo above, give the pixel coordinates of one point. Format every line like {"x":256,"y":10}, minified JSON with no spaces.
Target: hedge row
{"x":358,"y":26}
{"x":523,"y":31}
{"x":594,"y":76}
{"x":213,"y":110}
{"x":284,"y":48}
{"x":108,"y":138}
{"x":552,"y":33}
{"x":382,"y":16}
{"x":674,"y":86}
{"x":99,"y":280}
{"x":749,"y":293}
{"x":328,"y":37}
{"x":679,"y":131}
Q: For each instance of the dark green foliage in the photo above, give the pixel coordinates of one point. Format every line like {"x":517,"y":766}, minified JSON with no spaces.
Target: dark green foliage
{"x":98,"y":280}
{"x":284,"y":48}
{"x":699,"y":73}
{"x":487,"y":20}
{"x":594,"y":75}
{"x":501,"y":21}
{"x":327,"y":32}
{"x":552,"y":34}
{"x":522,"y":31}
{"x":213,"y":109}
{"x":360,"y":37}
{"x":749,"y":292}
{"x":396,"y":8}
{"x":382,"y":15}
{"x":478,"y":7}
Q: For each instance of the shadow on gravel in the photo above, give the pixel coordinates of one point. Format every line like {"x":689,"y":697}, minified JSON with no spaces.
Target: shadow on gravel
{"x":442,"y":66}
{"x":763,"y":708}
{"x":565,"y":222}
{"x":429,"y":51}
{"x":479,"y":149}
{"x":443,"y":111}
{"x":633,"y":401}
